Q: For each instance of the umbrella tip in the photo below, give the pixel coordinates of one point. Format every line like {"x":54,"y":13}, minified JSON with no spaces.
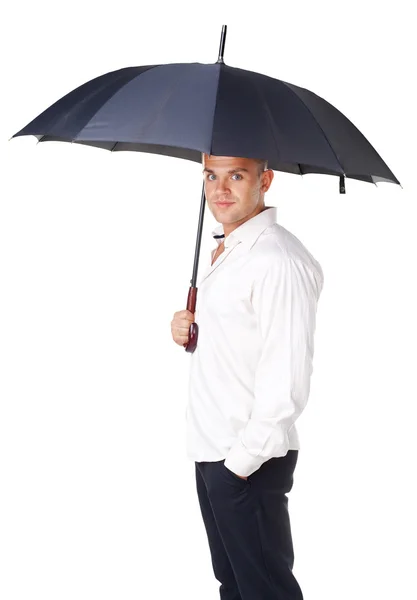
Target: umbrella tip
{"x":222,"y":43}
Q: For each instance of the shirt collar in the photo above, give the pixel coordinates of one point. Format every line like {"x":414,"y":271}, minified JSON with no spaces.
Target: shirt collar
{"x":250,"y":230}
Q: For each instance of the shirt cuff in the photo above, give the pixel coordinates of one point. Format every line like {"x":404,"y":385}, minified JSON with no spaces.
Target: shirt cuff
{"x":241,"y":462}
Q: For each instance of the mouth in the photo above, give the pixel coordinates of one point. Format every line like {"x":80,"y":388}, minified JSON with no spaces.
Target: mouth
{"x":224,"y":204}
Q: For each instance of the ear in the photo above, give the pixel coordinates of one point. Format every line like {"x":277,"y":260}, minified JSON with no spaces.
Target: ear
{"x":267,"y":177}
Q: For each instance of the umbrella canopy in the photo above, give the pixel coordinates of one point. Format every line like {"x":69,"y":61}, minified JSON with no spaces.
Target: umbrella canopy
{"x":186,"y":109}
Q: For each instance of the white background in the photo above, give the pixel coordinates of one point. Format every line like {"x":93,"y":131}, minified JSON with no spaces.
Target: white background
{"x":98,"y":498}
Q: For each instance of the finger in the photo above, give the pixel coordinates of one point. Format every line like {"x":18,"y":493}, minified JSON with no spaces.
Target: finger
{"x":180,"y":331}
{"x":182,"y":324}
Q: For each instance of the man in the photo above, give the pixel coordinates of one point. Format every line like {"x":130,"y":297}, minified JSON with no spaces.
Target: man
{"x":249,"y":381}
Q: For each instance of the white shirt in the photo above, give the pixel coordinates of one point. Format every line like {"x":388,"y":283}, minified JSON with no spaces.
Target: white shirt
{"x":249,"y":375}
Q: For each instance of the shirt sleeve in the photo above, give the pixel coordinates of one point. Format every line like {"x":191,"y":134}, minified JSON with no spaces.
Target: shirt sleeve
{"x":284,"y":299}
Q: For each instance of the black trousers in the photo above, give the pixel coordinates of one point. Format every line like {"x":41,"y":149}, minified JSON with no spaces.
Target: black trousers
{"x":248,"y":529}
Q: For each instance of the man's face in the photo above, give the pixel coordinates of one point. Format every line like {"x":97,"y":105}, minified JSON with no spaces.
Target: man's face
{"x":235,"y":180}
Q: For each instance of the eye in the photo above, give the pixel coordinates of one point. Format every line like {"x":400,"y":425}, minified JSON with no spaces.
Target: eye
{"x":234,"y":175}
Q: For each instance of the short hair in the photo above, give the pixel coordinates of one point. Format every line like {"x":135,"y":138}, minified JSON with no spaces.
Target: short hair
{"x":261,"y":162}
{"x":262,"y":165}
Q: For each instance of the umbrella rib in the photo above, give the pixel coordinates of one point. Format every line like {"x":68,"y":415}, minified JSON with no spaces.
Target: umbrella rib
{"x":215,"y":107}
{"x":271,"y":121}
{"x":318,"y":124}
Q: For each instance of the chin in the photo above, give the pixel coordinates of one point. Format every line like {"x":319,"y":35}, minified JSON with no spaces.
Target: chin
{"x":226,"y":218}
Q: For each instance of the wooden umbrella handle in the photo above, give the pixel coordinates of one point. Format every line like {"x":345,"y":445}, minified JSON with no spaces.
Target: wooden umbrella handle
{"x":191,"y":345}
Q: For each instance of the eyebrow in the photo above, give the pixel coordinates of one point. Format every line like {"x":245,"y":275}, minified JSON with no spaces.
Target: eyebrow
{"x":231,"y":170}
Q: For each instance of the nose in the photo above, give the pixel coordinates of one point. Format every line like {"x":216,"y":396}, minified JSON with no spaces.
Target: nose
{"x":222,"y":187}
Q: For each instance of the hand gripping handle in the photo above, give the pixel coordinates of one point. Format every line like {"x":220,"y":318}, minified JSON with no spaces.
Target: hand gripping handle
{"x":191,"y":345}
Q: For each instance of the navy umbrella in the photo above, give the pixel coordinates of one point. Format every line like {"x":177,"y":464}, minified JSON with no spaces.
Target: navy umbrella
{"x":186,"y":109}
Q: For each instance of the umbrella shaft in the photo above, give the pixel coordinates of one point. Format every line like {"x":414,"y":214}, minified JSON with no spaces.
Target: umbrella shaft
{"x":198,"y":242}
